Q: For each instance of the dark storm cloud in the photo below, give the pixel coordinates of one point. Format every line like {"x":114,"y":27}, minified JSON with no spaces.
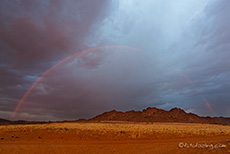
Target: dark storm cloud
{"x":217,"y":47}
{"x":203,"y":58}
{"x":116,"y":81}
{"x":183,"y":58}
{"x":36,"y":34}
{"x":40,"y":31}
{"x":190,"y":41}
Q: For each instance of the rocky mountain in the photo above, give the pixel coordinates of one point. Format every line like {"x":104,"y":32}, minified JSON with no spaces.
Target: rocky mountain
{"x":150,"y":114}
{"x":153,"y":114}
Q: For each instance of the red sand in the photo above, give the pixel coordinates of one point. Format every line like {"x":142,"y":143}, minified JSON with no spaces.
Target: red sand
{"x":103,"y":138}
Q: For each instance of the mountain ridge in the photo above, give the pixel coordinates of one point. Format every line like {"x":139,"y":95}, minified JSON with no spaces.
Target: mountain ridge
{"x":150,"y":114}
{"x":153,"y":114}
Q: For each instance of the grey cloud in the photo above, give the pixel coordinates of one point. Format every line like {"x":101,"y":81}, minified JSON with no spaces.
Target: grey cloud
{"x":116,"y":81}
{"x":34,"y":35}
{"x":183,"y":59}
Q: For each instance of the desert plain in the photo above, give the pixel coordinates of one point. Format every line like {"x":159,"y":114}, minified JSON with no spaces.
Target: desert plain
{"x":119,"y":137}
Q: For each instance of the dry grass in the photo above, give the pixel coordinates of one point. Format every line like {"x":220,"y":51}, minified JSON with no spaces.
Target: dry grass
{"x":121,"y":130}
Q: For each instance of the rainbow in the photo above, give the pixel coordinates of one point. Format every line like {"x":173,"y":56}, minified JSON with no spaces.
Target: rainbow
{"x":57,"y":64}
{"x":87,"y":50}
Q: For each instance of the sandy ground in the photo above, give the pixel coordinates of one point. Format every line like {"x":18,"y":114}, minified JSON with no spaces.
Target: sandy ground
{"x":115,"y":137}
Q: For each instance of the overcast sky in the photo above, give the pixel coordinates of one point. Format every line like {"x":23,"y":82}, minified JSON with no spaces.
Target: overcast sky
{"x":122,"y":55}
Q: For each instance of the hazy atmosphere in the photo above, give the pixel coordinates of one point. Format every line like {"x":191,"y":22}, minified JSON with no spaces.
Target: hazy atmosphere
{"x":65,"y":60}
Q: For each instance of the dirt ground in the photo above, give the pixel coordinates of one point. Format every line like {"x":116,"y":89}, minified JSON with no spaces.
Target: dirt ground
{"x":115,"y":137}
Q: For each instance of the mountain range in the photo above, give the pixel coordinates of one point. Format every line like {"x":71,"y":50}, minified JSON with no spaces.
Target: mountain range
{"x":151,"y":114}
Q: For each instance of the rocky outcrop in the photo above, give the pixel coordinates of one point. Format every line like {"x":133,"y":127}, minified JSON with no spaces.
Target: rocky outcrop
{"x":153,"y":114}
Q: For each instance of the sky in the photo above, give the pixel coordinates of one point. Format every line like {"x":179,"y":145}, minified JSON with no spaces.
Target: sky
{"x":65,"y":60}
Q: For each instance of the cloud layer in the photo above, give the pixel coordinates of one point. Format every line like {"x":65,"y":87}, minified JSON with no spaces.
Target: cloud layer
{"x":182,"y":57}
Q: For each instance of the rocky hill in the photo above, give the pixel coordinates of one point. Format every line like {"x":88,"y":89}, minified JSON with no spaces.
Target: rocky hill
{"x":150,"y":114}
{"x":158,"y":115}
